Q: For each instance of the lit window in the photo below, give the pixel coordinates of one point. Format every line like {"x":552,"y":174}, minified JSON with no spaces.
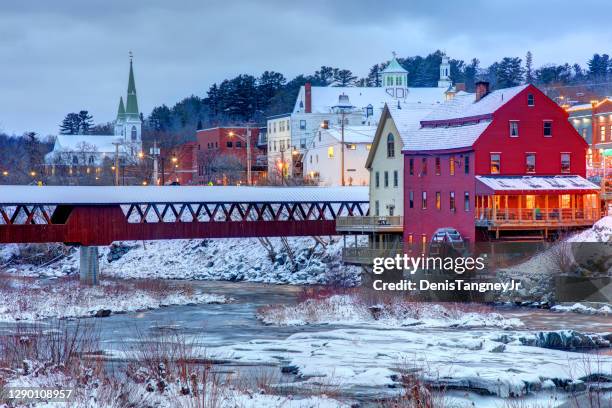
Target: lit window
{"x":530,"y":162}
{"x":424,"y":200}
{"x":602,"y":134}
{"x":451,"y":164}
{"x":438,"y":200}
{"x":565,"y":163}
{"x":514,"y":128}
{"x":466,"y":201}
{"x":495,"y":163}
{"x":452,"y":201}
{"x":547,"y":128}
{"x":330,"y":152}
{"x":351,"y":146}
{"x":368,"y":147}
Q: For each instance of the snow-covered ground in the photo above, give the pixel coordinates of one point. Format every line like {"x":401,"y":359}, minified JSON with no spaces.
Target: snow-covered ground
{"x":306,"y":262}
{"x":353,"y":309}
{"x":29,"y":300}
{"x":581,"y":308}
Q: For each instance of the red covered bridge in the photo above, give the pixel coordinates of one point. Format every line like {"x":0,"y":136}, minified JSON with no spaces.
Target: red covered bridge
{"x":93,"y":216}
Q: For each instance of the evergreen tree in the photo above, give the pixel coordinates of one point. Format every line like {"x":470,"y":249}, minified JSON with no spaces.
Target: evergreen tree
{"x":470,"y":74}
{"x":508,"y":72}
{"x":344,"y":77}
{"x":373,"y":78}
{"x":71,"y":125}
{"x":85,"y":122}
{"x":325,"y":75}
{"x":599,"y":66}
{"x":529,"y":68}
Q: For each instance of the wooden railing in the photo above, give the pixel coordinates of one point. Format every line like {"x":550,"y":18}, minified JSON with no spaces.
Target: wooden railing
{"x":553,"y":216}
{"x":370,"y":223}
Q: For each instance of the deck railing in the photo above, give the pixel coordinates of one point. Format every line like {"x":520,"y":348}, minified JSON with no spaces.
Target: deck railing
{"x":552,"y":216}
{"x":366,"y":255}
{"x":370,"y":223}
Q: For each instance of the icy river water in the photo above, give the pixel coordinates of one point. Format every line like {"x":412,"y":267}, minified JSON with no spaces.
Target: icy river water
{"x":235,"y":324}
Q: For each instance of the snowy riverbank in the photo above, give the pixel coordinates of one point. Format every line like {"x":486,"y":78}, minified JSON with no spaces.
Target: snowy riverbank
{"x":300,"y":261}
{"x":29,"y":299}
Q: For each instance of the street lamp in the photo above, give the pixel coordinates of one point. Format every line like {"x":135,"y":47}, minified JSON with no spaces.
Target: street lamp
{"x":247,"y":139}
{"x":343,"y":108}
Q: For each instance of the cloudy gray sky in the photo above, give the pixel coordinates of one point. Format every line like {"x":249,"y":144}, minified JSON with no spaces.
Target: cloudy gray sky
{"x":65,"y":55}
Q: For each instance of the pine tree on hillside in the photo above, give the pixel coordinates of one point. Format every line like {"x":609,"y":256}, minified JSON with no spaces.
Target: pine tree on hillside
{"x":599,"y":66}
{"x":508,"y":72}
{"x":71,"y":125}
{"x":373,"y":78}
{"x":344,"y":77}
{"x":529,"y":68}
{"x":85,"y":122}
{"x":325,"y":75}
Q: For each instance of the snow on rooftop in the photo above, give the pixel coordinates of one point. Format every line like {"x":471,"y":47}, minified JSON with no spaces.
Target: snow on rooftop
{"x":535,"y":183}
{"x":354,"y":134}
{"x":101,"y":143}
{"x":11,"y":195}
{"x":463,"y":105}
{"x":407,"y":117}
{"x":441,"y":138}
{"x":325,"y":97}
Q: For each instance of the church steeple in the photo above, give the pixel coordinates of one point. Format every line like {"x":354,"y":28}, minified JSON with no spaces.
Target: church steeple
{"x":121,"y":110}
{"x":131,"y":109}
{"x":395,"y":79}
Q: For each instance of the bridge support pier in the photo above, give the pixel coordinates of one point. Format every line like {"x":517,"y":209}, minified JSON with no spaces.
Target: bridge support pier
{"x":89,"y":266}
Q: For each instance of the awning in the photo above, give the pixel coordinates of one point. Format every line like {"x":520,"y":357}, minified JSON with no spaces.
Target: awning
{"x":534,"y":185}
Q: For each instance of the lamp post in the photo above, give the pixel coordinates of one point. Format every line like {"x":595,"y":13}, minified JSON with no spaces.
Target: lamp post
{"x":343,"y":108}
{"x":154,"y":154}
{"x":247,"y":139}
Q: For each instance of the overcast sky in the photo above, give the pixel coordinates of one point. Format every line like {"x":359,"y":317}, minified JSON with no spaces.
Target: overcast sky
{"x":62,"y":56}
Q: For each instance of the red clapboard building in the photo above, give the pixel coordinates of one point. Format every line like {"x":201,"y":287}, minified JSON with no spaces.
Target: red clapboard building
{"x":494,"y":165}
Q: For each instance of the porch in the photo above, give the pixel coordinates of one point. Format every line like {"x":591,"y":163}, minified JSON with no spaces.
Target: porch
{"x":365,"y":224}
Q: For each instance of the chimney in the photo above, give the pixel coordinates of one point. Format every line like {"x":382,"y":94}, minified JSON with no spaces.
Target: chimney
{"x":308,"y":96}
{"x":460,"y":86}
{"x":482,"y":89}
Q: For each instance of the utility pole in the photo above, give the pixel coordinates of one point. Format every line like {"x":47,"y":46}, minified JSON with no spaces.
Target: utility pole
{"x":116,"y":163}
{"x":343,"y":108}
{"x":342,"y":148}
{"x":155,"y":151}
{"x":248,"y":147}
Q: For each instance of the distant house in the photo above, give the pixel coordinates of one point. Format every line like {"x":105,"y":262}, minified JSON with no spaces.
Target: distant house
{"x":70,"y":151}
{"x":323,"y":159}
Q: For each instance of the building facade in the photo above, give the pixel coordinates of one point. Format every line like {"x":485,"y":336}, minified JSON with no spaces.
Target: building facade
{"x":71,"y":152}
{"x":221,"y":156}
{"x":323,"y":159}
{"x":279,"y":152}
{"x":501,"y":164}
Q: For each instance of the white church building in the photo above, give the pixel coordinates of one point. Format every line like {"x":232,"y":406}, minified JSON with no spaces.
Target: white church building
{"x":93,"y":150}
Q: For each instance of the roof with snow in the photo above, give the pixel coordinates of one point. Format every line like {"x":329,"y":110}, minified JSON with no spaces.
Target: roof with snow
{"x":99,"y":143}
{"x":407,"y":118}
{"x":463,"y":105}
{"x":325,"y":97}
{"x":441,"y":138}
{"x":394,"y":67}
{"x":536,"y":183}
{"x":354,"y":134}
{"x":52,"y":195}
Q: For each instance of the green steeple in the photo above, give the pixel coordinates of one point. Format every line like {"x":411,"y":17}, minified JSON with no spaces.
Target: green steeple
{"x":131,"y":109}
{"x":121,"y":110}
{"x":394,"y":66}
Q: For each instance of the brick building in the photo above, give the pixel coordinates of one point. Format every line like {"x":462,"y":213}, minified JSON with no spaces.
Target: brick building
{"x":501,"y":164}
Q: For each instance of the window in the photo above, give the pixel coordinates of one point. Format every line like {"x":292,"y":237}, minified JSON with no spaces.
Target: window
{"x":437,"y":166}
{"x":466,"y":201}
{"x":386,"y":179}
{"x":390,"y":145}
{"x":424,"y":166}
{"x":424,"y":200}
{"x":275,"y":145}
{"x":302,"y":143}
{"x":310,"y":159}
{"x":438,"y":200}
{"x":319,"y":135}
{"x":395,"y":178}
{"x":330,"y":152}
{"x":466,"y":164}
{"x":602,"y":134}
{"x":282,"y":145}
{"x":302,"y":124}
{"x":451,"y":201}
{"x":495,"y":163}
{"x":229,"y":145}
{"x":376,"y":208}
{"x":451,"y":165}
{"x":547,"y":128}
{"x":75,"y":160}
{"x":368,"y":147}
{"x":530,"y":100}
{"x":514,"y":128}
{"x":530,"y":162}
{"x":324,"y":125}
{"x":377,"y":179}
{"x":411,"y":166}
{"x":238,"y":144}
{"x":134,"y":134}
{"x":91,"y":160}
{"x":288,"y":125}
{"x":565,"y":163}
{"x":351,"y":146}
{"x":411,"y":199}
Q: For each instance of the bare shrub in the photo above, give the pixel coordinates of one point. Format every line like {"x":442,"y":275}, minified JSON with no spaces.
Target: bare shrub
{"x":561,"y":257}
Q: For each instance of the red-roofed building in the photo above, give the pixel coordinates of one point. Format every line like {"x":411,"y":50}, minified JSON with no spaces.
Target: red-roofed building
{"x":501,"y":164}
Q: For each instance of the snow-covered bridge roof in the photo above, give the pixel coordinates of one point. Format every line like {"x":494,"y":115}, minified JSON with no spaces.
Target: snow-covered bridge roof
{"x":10,"y":195}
